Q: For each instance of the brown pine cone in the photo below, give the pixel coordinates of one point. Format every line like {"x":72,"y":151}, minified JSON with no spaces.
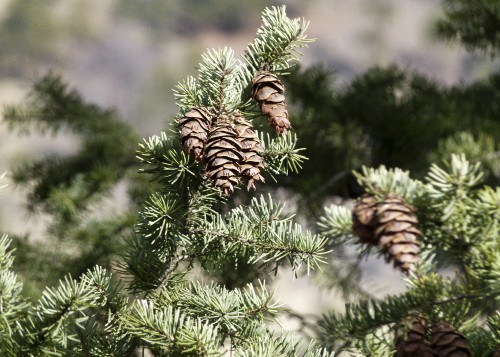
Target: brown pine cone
{"x":392,"y":225}
{"x":415,"y":344}
{"x":194,"y":126}
{"x":223,"y":155}
{"x":397,"y":233}
{"x":251,"y":150}
{"x":268,"y":91}
{"x":363,"y":218}
{"x":446,"y":341}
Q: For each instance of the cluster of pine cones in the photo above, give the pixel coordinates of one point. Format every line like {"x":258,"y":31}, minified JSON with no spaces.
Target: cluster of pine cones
{"x":391,"y":224}
{"x":229,"y":145}
{"x":444,"y":341}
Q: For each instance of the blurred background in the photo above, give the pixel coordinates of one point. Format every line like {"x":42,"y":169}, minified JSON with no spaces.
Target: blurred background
{"x":129,"y":54}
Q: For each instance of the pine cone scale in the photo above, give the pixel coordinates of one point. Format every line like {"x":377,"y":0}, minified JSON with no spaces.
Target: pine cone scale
{"x":251,"y":161}
{"x":446,"y":341}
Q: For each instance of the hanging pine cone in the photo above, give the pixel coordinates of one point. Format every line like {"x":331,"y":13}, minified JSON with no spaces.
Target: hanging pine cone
{"x":194,"y":126}
{"x":448,"y":342}
{"x":415,"y":343}
{"x":397,"y":233}
{"x":363,"y":218}
{"x":251,"y":150}
{"x":392,"y":225}
{"x":268,"y":91}
{"x":223,"y":154}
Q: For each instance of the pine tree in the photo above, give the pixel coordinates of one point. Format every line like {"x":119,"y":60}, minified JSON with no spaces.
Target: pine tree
{"x":71,"y":189}
{"x":474,"y":24}
{"x":156,"y":306}
{"x":459,"y":221}
{"x":445,"y":217}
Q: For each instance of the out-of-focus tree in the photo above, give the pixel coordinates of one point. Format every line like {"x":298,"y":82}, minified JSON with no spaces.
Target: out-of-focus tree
{"x":475,"y":24}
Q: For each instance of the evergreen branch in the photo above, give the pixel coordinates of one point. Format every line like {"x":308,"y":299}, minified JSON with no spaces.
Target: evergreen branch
{"x":94,"y":342}
{"x":200,"y":203}
{"x":143,"y":263}
{"x":364,"y":318}
{"x":166,"y":161}
{"x":13,"y":307}
{"x":431,"y":295}
{"x":232,"y":311}
{"x":494,"y":324}
{"x":267,"y":345}
{"x":474,"y":24}
{"x":160,"y":215}
{"x":108,"y":292}
{"x":188,"y":94}
{"x":219,"y":80}
{"x":479,"y":148}
{"x":171,"y":266}
{"x":450,"y":187}
{"x":487,"y":203}
{"x":259,"y":232}
{"x":56,"y":311}
{"x":169,"y":330}
{"x":52,"y":105}
{"x":93,"y":338}
{"x":277,"y":43}
{"x":281,"y":155}
{"x":382,"y":181}
{"x":6,"y":257}
{"x":336,"y":224}
{"x":458,"y":177}
{"x":160,"y":243}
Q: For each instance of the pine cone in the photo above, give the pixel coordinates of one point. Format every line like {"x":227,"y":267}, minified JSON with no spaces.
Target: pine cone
{"x":392,"y":225}
{"x":223,"y":154}
{"x":268,"y":91}
{"x":397,"y":233}
{"x":415,"y":344}
{"x":251,"y":150}
{"x":448,"y":342}
{"x":194,"y":127}
{"x":363,"y":218}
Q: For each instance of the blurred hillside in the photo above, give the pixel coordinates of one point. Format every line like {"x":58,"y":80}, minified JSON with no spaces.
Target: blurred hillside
{"x":128,"y":54}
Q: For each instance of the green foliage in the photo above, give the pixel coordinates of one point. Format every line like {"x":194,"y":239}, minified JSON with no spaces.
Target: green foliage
{"x":281,"y":154}
{"x":237,"y":312}
{"x":477,"y":148}
{"x":267,"y":345}
{"x":70,"y":183}
{"x":474,"y":24}
{"x":180,"y":226}
{"x":222,"y":79}
{"x":459,"y":221}
{"x":72,"y":188}
{"x":170,"y":331}
{"x":12,"y":304}
{"x":385,"y":116}
{"x":277,"y":43}
{"x":185,"y":229}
